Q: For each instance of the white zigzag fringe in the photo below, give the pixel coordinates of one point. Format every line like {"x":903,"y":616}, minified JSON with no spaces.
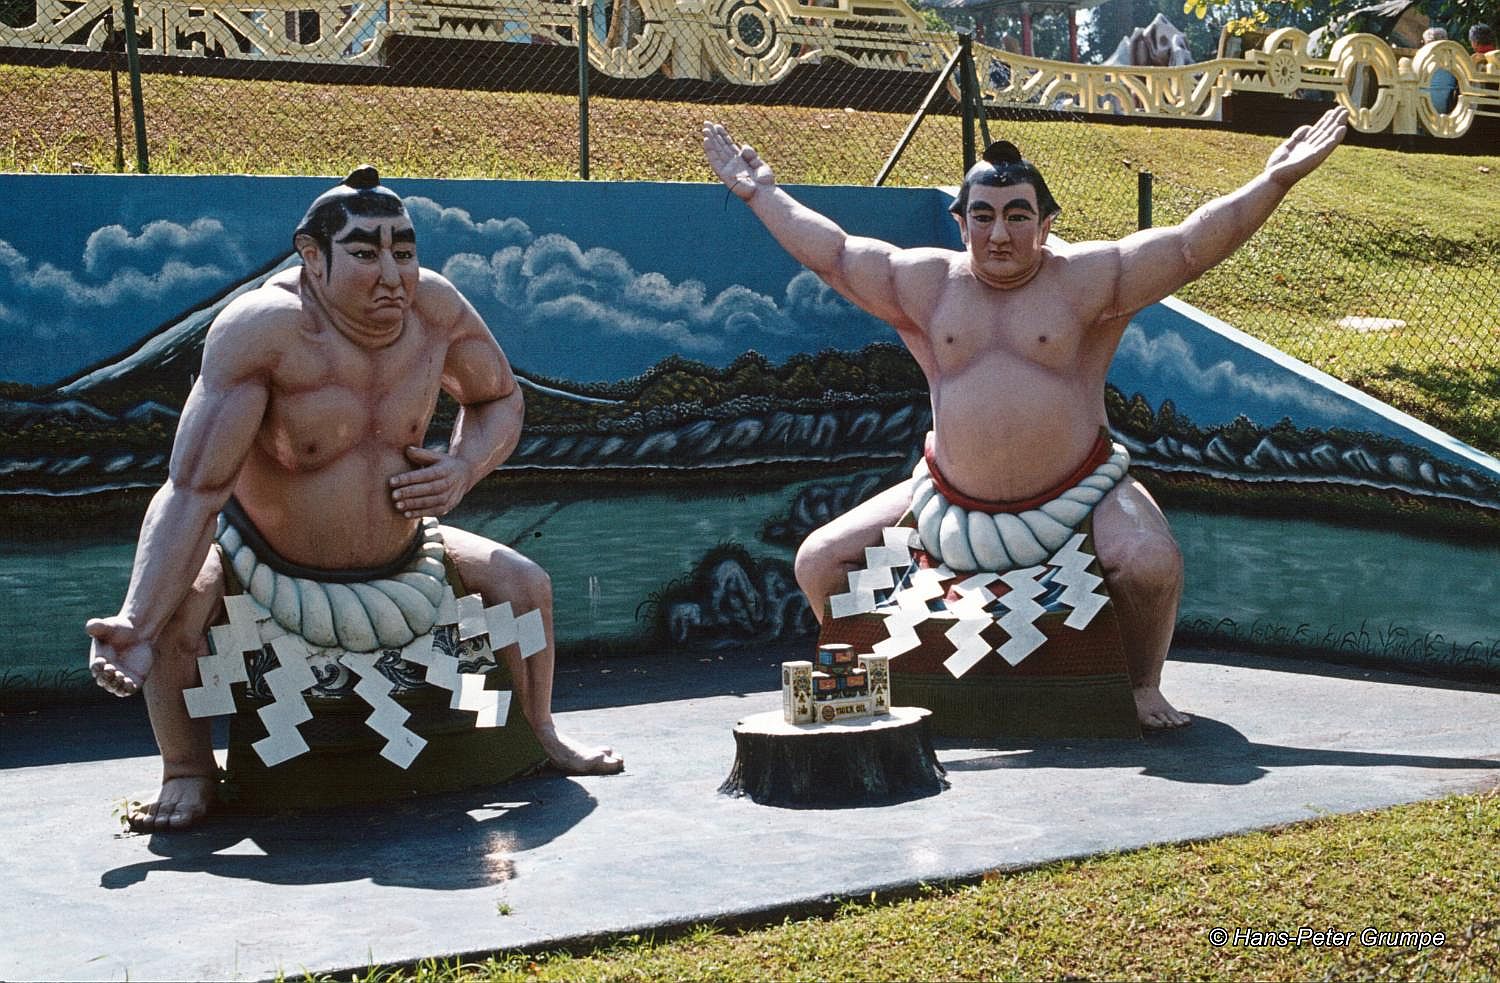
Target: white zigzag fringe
{"x":976,"y":608}
{"x":388,"y":720}
{"x":251,"y":626}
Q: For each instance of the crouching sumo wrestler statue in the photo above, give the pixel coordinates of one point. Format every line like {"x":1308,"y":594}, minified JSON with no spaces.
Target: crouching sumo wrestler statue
{"x":299,"y":473}
{"x":1015,"y":335}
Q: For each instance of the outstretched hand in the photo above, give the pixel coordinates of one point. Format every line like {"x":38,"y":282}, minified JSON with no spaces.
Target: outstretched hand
{"x":119,"y":657}
{"x":1308,"y":147}
{"x":434,"y":488}
{"x":740,"y":168}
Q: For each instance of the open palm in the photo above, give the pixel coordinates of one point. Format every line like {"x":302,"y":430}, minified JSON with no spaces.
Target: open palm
{"x":1305,"y":149}
{"x":740,"y":168}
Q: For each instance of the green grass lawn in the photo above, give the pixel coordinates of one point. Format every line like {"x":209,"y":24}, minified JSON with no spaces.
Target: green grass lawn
{"x":1426,"y":867}
{"x":1373,"y":233}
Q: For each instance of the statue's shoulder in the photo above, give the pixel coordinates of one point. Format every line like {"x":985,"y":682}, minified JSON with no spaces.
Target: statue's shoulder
{"x":436,"y":294}
{"x":931,"y":260}
{"x":258,"y":323}
{"x":1092,"y":257}
{"x":927,"y":267}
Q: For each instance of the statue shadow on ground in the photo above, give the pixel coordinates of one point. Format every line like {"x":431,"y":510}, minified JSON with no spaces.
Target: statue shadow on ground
{"x":450,"y":841}
{"x":1209,"y":752}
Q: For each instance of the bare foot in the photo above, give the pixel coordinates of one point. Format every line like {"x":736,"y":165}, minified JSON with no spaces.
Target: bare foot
{"x":180,"y":803}
{"x":118,"y":657}
{"x":1155,"y":713}
{"x":572,"y":758}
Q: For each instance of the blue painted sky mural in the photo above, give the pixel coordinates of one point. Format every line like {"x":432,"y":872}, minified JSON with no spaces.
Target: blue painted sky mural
{"x":598,"y":291}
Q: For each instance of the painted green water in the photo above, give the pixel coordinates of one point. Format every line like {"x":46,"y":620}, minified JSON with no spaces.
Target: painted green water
{"x":1296,"y":581}
{"x":605,"y":558}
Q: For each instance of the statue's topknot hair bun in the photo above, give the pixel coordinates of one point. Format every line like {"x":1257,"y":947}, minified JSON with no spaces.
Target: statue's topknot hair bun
{"x":363,"y":177}
{"x":1002,"y":152}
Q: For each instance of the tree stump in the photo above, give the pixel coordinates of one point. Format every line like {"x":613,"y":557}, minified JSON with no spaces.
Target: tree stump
{"x":863,"y":761}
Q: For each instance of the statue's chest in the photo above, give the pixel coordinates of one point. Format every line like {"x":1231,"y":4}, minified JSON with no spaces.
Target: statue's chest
{"x":966,"y":334}
{"x":312,"y":421}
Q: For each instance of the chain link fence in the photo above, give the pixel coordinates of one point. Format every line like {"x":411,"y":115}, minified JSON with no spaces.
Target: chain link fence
{"x":454,"y":89}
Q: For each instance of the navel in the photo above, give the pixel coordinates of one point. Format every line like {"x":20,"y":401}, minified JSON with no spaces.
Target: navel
{"x":310,"y":450}
{"x":1042,"y":338}
{"x":949,"y":339}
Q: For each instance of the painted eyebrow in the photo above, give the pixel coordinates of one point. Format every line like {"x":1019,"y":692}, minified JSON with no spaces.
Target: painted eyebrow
{"x":407,"y":234}
{"x":1020,"y":203}
{"x":370,"y":237}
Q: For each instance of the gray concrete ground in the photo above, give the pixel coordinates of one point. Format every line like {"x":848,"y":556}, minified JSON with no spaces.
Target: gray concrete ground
{"x":551,"y":859}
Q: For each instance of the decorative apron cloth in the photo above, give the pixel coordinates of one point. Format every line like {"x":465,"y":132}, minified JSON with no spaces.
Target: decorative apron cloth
{"x":985,"y":563}
{"x":329,"y":633}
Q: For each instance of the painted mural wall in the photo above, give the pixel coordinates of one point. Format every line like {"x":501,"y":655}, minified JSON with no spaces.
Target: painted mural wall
{"x":696,"y":404}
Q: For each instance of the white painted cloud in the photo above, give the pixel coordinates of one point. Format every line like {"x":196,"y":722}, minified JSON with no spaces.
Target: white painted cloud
{"x":43,"y":286}
{"x":113,"y":246}
{"x":553,"y":283}
{"x":1169,"y":360}
{"x":434,"y":220}
{"x":71,"y":313}
{"x":810,"y":300}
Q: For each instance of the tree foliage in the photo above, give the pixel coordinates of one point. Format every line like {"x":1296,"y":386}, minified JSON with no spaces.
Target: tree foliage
{"x":1338,"y":16}
{"x":1049,"y":31}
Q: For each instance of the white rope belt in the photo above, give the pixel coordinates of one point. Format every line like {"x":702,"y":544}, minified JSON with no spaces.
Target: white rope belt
{"x":969,"y":541}
{"x":363,"y":617}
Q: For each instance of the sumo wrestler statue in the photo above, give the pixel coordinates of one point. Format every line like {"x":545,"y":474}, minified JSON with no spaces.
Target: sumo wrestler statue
{"x":1015,"y":336}
{"x":306,"y":428}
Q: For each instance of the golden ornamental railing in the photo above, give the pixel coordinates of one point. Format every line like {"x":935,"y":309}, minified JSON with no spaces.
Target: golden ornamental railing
{"x":759,"y":42}
{"x":1381,"y":88}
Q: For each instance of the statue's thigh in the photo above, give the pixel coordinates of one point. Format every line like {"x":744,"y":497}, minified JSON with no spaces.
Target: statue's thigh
{"x":494,"y":570}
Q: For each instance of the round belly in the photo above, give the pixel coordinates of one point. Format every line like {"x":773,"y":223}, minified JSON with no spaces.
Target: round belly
{"x":1013,"y":444}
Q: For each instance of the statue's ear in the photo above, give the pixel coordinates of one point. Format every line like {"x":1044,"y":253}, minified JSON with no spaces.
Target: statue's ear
{"x":963,"y":230}
{"x":312,"y":254}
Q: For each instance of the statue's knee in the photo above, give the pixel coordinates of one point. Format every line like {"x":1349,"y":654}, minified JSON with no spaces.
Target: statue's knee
{"x":811,"y":568}
{"x":531,"y":586}
{"x":1155,"y":564}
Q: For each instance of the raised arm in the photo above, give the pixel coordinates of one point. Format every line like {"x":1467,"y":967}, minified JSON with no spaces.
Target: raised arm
{"x":1153,"y":263}
{"x":214,"y":434}
{"x":866,"y":271}
{"x":477,"y":374}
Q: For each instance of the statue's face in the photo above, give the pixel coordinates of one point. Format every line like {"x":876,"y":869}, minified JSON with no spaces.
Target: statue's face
{"x":372,"y":274}
{"x":1004,"y":231}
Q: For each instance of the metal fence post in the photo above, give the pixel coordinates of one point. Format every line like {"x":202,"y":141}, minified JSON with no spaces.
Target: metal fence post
{"x":974,"y":98}
{"x":1143,"y":200}
{"x":137,"y":103}
{"x":966,"y":94}
{"x":114,"y":88}
{"x":585,"y":13}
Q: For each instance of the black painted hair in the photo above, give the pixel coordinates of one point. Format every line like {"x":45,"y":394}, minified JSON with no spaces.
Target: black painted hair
{"x":1002,"y":166}
{"x":361,"y":193}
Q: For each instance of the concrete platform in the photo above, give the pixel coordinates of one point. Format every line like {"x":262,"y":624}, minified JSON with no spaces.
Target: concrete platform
{"x":552,"y":859}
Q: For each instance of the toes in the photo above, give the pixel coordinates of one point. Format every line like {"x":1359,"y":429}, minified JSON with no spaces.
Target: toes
{"x":143,"y":819}
{"x":607,"y":764}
